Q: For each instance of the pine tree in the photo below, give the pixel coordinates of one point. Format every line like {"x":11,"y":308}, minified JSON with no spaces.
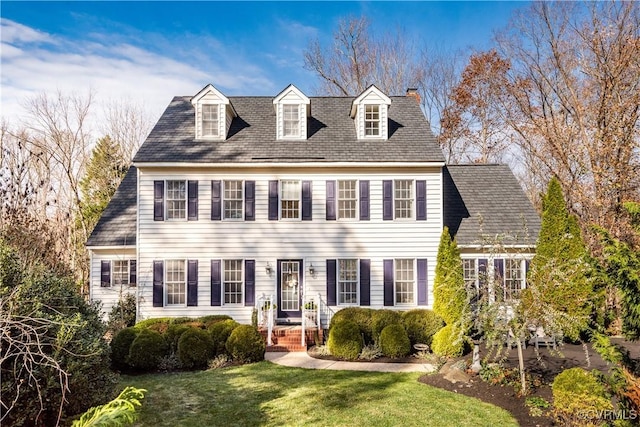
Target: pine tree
{"x":104,"y":173}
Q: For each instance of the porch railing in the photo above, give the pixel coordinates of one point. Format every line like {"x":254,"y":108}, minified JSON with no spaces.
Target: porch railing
{"x":314,"y":311}
{"x":265,"y":305}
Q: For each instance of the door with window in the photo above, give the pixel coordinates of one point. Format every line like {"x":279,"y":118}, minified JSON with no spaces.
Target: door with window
{"x":289,"y":289}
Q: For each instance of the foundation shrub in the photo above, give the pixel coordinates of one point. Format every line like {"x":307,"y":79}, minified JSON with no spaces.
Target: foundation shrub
{"x":345,"y":340}
{"x":146,"y":350}
{"x":120,"y":346}
{"x":195,"y":348}
{"x":220,"y":333}
{"x":421,"y":325}
{"x":394,"y":341}
{"x":173,"y":334}
{"x":448,"y":342}
{"x":380,"y":319}
{"x":360,"y":316}
{"x":245,"y":344}
{"x":213,"y":319}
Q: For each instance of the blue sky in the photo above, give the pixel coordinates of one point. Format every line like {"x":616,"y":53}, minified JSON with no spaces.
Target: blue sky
{"x":150,"y":51}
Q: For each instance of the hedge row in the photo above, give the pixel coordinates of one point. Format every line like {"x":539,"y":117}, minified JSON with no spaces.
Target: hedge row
{"x":184,"y":343}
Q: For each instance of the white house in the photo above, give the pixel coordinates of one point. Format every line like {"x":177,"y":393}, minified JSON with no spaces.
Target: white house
{"x":336,"y":199}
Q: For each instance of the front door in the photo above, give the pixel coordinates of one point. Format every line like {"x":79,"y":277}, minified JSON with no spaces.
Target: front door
{"x":289,"y":289}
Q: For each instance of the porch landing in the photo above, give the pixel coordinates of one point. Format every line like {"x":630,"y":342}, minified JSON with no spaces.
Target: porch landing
{"x":288,"y":338}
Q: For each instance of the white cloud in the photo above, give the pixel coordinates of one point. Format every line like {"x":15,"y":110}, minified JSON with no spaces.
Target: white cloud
{"x":14,"y":32}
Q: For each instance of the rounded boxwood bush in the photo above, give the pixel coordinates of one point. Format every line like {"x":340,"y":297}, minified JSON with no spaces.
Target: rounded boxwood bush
{"x":360,"y":316}
{"x":173,"y":334}
{"x":394,"y":341}
{"x":195,"y":348}
{"x":577,"y":392}
{"x":147,"y":350}
{"x":120,"y":346}
{"x":448,"y":342}
{"x":345,"y":340}
{"x":421,"y":325}
{"x":220,"y":333}
{"x":212,"y":319}
{"x":380,"y":319}
{"x":246,"y":345}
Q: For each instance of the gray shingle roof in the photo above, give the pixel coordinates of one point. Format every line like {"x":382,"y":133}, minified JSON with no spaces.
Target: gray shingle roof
{"x":483,"y":201}
{"x":251,"y":138}
{"x":117,"y":225}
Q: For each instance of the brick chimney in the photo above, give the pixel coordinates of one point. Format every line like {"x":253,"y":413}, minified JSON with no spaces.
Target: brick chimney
{"x":413,"y":92}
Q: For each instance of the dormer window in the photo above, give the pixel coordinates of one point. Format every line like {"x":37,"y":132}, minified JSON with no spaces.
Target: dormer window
{"x":292,"y":109}
{"x":291,"y":118}
{"x":372,"y":120}
{"x":210,"y":120}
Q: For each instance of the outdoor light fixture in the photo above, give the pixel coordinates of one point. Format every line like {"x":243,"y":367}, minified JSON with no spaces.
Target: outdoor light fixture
{"x":312,"y":270}
{"x":268,"y":268}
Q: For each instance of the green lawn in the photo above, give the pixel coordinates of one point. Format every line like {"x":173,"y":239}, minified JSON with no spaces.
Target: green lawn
{"x":272,"y":395}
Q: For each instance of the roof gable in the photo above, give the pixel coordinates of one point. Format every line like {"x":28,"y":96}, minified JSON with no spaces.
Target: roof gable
{"x":211,"y":93}
{"x":371,"y":95}
{"x":291,"y":95}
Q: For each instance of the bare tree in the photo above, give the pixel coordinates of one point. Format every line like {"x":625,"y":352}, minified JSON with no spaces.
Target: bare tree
{"x":127,"y":124}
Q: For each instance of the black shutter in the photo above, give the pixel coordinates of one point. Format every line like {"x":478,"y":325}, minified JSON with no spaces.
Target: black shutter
{"x":192,"y":282}
{"x":273,"y":200}
{"x":105,"y":273}
{"x":158,"y":283}
{"x":422,"y":281}
{"x":387,"y":200}
{"x":216,"y":283}
{"x":388,"y":282}
{"x":364,"y":200}
{"x":331,"y":282}
{"x":158,"y":200}
{"x":331,"y":200}
{"x":365,"y":282}
{"x":133,"y":272}
{"x":421,"y":200}
{"x":307,"y":201}
{"x":249,"y":283}
{"x":192,"y":200}
{"x":216,"y":201}
{"x":249,"y":200}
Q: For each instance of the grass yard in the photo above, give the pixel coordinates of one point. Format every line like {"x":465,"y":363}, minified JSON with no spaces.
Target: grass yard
{"x":264,"y":394}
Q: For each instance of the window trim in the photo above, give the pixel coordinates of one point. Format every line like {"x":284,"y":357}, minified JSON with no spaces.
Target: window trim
{"x":415,"y":283}
{"x":281,"y":199}
{"x":113,"y":271}
{"x":166,"y":282}
{"x":285,"y":120}
{"x":216,"y":120}
{"x":224,"y":199}
{"x":521,"y":269}
{"x":357,"y":283}
{"x":356,"y":212}
{"x":242,"y":282}
{"x":167,"y":200}
{"x":412,"y":198}
{"x":378,"y":120}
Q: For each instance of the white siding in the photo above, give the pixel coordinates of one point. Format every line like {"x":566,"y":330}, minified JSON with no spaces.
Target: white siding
{"x":109,"y":295}
{"x":268,"y":241}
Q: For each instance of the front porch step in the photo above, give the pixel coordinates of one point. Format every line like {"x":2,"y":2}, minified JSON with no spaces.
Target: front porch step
{"x":288,"y":338}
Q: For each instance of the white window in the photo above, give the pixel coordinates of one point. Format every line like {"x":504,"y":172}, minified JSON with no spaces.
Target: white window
{"x":404,"y":281}
{"x":403,"y":198}
{"x":470,"y":273}
{"x":233,"y":281}
{"x":513,"y":278}
{"x":175,"y":281}
{"x":176,"y":200}
{"x":233,"y":201}
{"x":372,"y":120}
{"x":209,"y":120}
{"x":347,"y":281}
{"x":291,"y":120}
{"x":120,"y":274}
{"x":290,"y":200}
{"x":347,"y":199}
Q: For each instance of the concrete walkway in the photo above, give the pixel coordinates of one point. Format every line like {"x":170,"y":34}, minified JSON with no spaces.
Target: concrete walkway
{"x":303,"y":360}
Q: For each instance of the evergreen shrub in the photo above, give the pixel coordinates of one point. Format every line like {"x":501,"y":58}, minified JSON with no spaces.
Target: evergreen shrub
{"x":360,"y":316}
{"x":380,"y":319}
{"x":246,"y":345}
{"x":577,"y":393}
{"x":448,"y":342}
{"x":195,"y":348}
{"x":345,"y":340}
{"x":220,"y":333}
{"x":120,"y":346}
{"x":394,"y":341}
{"x":146,"y":350}
{"x":421,"y":325}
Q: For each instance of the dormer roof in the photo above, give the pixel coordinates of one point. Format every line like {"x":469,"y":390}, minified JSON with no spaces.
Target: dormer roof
{"x":291,"y":95}
{"x":371,"y":95}
{"x":210,"y":90}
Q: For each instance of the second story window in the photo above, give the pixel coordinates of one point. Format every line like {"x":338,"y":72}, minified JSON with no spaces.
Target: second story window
{"x":290,"y":200}
{"x":372,"y":120}
{"x":209,"y":120}
{"x":403,"y":198}
{"x":347,"y":199}
{"x":233,"y":201}
{"x":176,"y":200}
{"x":291,"y":120}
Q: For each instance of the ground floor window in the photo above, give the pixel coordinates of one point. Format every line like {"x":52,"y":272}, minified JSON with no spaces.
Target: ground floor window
{"x":233,"y":280}
{"x":513,"y":278}
{"x":120,"y":273}
{"x":404,"y":281}
{"x":176,"y":282}
{"x":347,"y":281}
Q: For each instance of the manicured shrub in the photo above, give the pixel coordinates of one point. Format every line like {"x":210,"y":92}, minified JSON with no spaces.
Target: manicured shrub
{"x":421,"y":325}
{"x":345,"y":340}
{"x":394,"y":341}
{"x":120,"y":346}
{"x":195,"y":348}
{"x":149,"y":322}
{"x":380,"y":319}
{"x":245,"y":344}
{"x":212,"y":319}
{"x":360,"y":316}
{"x":220,"y":333}
{"x":448,"y":342}
{"x":577,"y":392}
{"x":173,"y":334}
{"x":147,"y":350}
